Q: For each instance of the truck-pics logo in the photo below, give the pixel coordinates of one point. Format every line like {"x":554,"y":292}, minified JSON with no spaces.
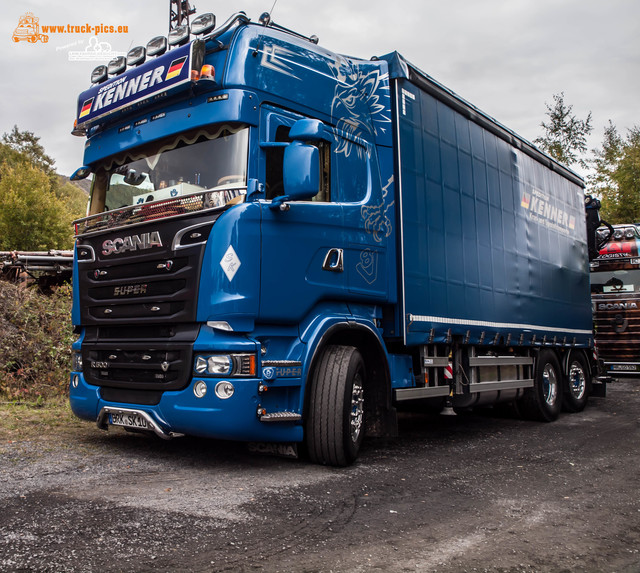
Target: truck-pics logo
{"x":132,"y":243}
{"x":541,"y":210}
{"x":28,"y":30}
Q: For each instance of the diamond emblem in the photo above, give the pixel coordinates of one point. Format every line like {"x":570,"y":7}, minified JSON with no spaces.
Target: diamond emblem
{"x":230,"y":263}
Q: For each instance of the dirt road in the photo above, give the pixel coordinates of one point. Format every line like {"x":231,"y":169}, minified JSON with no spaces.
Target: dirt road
{"x":451,"y":494}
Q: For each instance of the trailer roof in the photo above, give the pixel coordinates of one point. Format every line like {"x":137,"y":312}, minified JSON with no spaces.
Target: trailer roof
{"x":399,"y":67}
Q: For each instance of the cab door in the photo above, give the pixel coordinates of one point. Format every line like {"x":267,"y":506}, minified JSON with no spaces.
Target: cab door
{"x":303,"y":243}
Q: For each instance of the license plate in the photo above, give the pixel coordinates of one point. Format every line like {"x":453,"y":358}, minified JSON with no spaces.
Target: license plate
{"x":624,"y":367}
{"x":128,"y":420}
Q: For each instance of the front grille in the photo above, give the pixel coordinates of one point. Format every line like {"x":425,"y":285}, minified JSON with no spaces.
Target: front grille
{"x":143,"y":281}
{"x":617,"y":322}
{"x":138,"y":304}
{"x":160,"y":363}
{"x":137,"y":367}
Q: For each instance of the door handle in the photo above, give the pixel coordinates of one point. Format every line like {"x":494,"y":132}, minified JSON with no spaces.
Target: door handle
{"x":333,"y":261}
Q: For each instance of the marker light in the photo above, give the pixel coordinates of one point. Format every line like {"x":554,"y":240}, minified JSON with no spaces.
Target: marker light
{"x":157,"y":46}
{"x":79,"y":131}
{"x":208,"y":72}
{"x":136,"y":56}
{"x":117,"y":65}
{"x":99,"y":74}
{"x":203,"y":24}
{"x":179,"y":36}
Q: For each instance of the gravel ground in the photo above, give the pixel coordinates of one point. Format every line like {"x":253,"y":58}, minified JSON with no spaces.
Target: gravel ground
{"x":459,"y":493}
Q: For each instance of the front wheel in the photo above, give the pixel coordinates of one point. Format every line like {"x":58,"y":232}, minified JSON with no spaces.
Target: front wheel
{"x":576,"y":387}
{"x":335,"y":421}
{"x":544,"y":401}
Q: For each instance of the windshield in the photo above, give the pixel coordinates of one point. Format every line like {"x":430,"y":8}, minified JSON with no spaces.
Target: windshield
{"x":206,"y":159}
{"x":611,"y":282}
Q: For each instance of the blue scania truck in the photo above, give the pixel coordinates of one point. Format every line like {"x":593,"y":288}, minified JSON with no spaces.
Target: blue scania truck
{"x":285,"y":246}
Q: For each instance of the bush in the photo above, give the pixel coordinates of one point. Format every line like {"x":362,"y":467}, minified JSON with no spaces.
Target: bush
{"x":35,"y":348}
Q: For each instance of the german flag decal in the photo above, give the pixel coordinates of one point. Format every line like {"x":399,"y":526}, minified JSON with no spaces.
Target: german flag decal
{"x":86,"y":108}
{"x":175,"y":68}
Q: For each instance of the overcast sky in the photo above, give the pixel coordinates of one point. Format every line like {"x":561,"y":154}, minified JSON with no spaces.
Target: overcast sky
{"x":507,"y":57}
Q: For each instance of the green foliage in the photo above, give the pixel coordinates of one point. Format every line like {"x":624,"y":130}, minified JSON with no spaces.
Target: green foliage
{"x":565,"y":136}
{"x":31,"y":216}
{"x":36,"y":208}
{"x":26,"y":143}
{"x":616,"y":175}
{"x":35,"y":348}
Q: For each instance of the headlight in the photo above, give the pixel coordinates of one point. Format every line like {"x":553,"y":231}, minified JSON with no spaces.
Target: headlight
{"x":76,"y":362}
{"x":225,"y":365}
{"x":220,"y":365}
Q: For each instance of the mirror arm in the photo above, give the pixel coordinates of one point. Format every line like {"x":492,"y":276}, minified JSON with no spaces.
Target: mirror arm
{"x":280,"y":203}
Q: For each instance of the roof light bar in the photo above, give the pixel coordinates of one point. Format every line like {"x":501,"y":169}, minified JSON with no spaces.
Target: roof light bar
{"x":178,"y":36}
{"x":117,"y":65}
{"x":157,"y":46}
{"x":203,"y":24}
{"x":99,"y":74}
{"x":136,"y":56}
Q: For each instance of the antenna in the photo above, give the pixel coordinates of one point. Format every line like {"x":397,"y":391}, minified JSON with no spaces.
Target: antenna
{"x":272,"y":8}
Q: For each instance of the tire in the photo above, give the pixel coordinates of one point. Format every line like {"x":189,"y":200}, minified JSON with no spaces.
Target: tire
{"x":543,"y":401}
{"x":576,"y":384}
{"x":335,"y":422}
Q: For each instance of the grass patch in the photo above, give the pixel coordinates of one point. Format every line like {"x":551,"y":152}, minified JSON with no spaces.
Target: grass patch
{"x":30,"y":422}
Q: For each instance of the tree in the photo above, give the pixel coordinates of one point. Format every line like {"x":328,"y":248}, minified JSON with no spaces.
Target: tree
{"x":36,"y":206}
{"x":27,"y":144}
{"x":565,"y":136}
{"x":616,"y":175}
{"x":32,"y":217}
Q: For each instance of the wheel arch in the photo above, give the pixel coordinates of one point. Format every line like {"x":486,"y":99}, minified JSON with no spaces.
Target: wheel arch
{"x":380,"y":415}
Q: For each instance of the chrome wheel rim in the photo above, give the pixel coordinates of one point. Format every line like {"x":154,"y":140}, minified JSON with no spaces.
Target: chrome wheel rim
{"x":577,"y":381}
{"x":357,"y":408}
{"x":549,"y":384}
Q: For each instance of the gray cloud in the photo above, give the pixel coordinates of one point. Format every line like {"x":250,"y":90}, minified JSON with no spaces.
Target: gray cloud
{"x":508,"y":57}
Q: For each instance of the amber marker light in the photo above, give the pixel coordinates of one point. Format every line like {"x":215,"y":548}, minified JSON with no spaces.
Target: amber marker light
{"x":208,"y":72}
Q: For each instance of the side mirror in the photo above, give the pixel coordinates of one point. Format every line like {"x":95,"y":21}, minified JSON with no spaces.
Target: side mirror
{"x":81,"y":173}
{"x":595,"y":240}
{"x":301,"y":171}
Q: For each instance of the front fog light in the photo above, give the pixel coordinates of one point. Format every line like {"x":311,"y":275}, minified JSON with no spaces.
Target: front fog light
{"x":75,"y":380}
{"x":200,"y":389}
{"x":224,"y":390}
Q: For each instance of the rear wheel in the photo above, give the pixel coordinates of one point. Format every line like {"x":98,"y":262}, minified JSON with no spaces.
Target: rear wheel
{"x":335,"y":422}
{"x":544,"y":400}
{"x":576,"y":384}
